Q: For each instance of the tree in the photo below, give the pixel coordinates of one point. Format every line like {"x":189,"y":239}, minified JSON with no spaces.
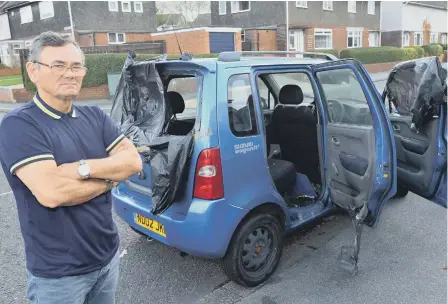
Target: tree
{"x":189,"y":10}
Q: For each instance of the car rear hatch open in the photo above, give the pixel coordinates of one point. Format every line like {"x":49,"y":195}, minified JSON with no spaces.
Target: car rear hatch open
{"x":140,"y":110}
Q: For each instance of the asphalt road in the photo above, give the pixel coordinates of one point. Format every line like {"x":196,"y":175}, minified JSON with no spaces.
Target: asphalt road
{"x":401,"y":262}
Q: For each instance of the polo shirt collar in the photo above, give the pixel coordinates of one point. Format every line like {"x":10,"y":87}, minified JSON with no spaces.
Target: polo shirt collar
{"x":50,"y":111}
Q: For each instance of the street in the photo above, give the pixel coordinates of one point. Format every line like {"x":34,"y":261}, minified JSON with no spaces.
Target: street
{"x":403,"y":260}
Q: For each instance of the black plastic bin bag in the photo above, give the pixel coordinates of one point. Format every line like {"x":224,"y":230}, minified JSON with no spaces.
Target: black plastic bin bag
{"x":143,"y":115}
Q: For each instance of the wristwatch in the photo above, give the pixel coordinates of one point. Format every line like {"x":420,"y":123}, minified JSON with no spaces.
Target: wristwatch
{"x":109,"y":185}
{"x":83,"y":169}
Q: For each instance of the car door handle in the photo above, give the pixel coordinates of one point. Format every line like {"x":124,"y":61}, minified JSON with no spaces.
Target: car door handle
{"x":396,"y":128}
{"x":335,"y":140}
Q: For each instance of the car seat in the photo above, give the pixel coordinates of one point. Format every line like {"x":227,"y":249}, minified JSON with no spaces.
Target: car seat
{"x":178,"y":127}
{"x":295,"y":129}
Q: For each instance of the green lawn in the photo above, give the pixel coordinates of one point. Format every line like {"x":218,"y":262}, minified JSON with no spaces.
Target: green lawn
{"x":10,"y":80}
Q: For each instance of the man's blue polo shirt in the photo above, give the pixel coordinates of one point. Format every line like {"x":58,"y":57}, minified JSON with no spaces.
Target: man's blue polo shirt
{"x":62,"y":241}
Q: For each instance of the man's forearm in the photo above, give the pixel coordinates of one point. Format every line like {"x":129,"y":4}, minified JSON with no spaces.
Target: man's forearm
{"x":117,"y":167}
{"x":64,"y":191}
{"x":80,"y":192}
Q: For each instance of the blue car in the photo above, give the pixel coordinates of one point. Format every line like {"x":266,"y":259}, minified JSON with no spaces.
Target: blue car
{"x":276,"y":142}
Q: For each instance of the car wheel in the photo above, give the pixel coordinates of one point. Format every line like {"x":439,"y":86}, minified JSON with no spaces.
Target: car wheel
{"x":402,"y":191}
{"x":255,"y":250}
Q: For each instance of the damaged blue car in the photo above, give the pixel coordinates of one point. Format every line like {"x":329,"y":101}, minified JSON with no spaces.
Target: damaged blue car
{"x":241,"y":149}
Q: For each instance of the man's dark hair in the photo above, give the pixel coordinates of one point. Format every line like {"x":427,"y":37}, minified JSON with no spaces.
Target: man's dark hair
{"x":49,"y":39}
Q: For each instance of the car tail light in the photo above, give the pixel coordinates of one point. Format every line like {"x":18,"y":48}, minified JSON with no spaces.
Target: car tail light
{"x":208,"y":182}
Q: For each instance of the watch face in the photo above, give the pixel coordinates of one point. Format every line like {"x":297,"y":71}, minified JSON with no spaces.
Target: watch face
{"x":83,"y":170}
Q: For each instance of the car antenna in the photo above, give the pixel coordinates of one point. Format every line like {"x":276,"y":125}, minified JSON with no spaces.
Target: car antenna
{"x":183,"y":56}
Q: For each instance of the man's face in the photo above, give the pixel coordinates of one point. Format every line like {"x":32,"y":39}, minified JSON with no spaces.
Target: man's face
{"x":58,"y":81}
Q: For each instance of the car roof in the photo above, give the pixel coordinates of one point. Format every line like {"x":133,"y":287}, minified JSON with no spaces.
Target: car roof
{"x":211,"y":64}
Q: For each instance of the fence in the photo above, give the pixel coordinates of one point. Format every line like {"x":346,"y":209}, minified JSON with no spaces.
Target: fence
{"x":157,"y":47}
{"x":251,"y":42}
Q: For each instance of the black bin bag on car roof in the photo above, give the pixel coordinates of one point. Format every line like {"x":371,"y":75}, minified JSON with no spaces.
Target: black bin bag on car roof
{"x":140,"y":110}
{"x":416,"y":88}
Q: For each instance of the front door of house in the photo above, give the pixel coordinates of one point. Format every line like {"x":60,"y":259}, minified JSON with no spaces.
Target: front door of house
{"x":296,"y":41}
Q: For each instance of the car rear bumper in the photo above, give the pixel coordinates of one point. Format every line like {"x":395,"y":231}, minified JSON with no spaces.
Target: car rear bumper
{"x":204,"y":231}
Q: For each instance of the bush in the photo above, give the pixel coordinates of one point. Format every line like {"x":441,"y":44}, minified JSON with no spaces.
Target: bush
{"x":433,"y":50}
{"x":420,"y":51}
{"x":2,"y":66}
{"x":380,"y":54}
{"x":99,"y":65}
{"x":444,"y":46}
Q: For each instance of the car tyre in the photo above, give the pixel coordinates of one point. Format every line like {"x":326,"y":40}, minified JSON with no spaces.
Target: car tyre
{"x":402,"y":191}
{"x":255,"y":250}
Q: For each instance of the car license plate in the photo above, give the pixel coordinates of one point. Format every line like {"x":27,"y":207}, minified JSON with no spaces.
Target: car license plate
{"x":150,"y":224}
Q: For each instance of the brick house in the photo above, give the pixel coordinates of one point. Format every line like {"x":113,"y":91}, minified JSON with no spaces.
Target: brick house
{"x":95,"y":23}
{"x":307,"y":25}
{"x":201,"y":39}
{"x":409,"y":23}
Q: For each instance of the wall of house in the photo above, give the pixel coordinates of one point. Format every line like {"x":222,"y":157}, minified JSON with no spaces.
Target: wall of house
{"x":266,"y":40}
{"x":315,"y":14}
{"x":29,"y":30}
{"x":85,"y":39}
{"x":392,"y":15}
{"x":339,"y":37}
{"x":95,"y":15}
{"x":197,"y":42}
{"x":102,"y":38}
{"x":414,"y":16}
{"x":262,"y":13}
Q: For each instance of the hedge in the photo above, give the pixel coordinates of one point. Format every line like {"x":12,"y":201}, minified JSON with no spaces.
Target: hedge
{"x":380,"y":54}
{"x":433,"y":50}
{"x":99,"y":65}
{"x":2,"y":66}
{"x":420,"y":51}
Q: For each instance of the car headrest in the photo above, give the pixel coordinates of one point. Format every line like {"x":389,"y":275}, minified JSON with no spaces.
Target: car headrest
{"x":290,"y":94}
{"x":176,"y":101}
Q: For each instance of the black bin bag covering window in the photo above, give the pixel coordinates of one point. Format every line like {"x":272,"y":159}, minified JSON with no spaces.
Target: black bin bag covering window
{"x":140,"y":110}
{"x":417,"y":88}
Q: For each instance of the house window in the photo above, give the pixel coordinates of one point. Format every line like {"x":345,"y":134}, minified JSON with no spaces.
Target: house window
{"x":418,"y":38}
{"x":351,"y":6}
{"x":126,"y":6}
{"x":443,"y":38}
{"x":26,"y":14}
{"x":354,"y":38}
{"x":117,"y":38}
{"x":374,"y":39}
{"x":46,"y":9}
{"x":327,"y":5}
{"x":323,"y":39}
{"x":405,"y":39}
{"x":292,"y":37}
{"x":433,"y":38}
{"x":138,"y":7}
{"x":222,"y":7}
{"x":16,"y":48}
{"x":303,"y":4}
{"x":240,"y":6}
{"x":113,"y":6}
{"x":242,"y":117}
{"x":243,"y":36}
{"x":371,"y":7}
